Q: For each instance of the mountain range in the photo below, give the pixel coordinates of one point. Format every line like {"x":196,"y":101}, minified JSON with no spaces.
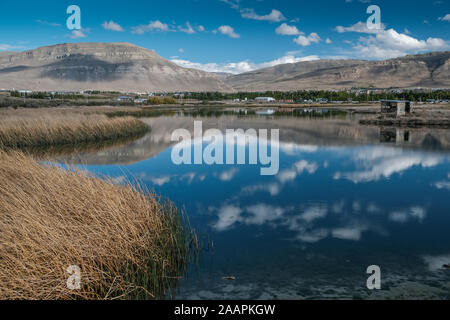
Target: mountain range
{"x":431,"y":70}
{"x":100,"y":66}
{"x":128,"y":68}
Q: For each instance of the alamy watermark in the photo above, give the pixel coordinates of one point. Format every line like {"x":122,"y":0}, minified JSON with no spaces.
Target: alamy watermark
{"x":230,"y":148}
{"x":74,"y":279}
{"x":374,"y":21}
{"x":74,"y":20}
{"x":374,"y":281}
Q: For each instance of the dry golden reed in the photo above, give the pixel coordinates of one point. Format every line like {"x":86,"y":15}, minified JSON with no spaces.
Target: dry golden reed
{"x":40,"y":128}
{"x":128,"y":244}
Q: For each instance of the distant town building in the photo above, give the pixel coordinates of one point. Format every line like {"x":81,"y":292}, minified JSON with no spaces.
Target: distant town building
{"x":322,"y":100}
{"x":125,"y":99}
{"x":396,"y":107}
{"x":264,"y":99}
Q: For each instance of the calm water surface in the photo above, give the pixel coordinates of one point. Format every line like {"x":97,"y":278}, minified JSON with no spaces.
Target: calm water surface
{"x":346,"y":197}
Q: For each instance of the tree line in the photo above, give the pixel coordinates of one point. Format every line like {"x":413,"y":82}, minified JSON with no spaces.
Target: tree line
{"x":299,"y":96}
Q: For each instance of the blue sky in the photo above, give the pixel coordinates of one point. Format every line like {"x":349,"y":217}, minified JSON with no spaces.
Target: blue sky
{"x":235,"y":36}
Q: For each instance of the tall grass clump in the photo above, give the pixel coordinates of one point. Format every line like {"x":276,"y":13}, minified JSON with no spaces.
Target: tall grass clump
{"x":127,"y":243}
{"x":45,"y":128}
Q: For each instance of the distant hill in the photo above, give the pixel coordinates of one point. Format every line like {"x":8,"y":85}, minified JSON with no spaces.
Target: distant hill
{"x":426,"y":70}
{"x":126,"y":67}
{"x":100,"y":66}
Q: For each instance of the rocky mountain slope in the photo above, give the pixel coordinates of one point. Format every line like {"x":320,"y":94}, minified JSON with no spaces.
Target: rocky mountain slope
{"x":126,"y":67}
{"x":430,"y":70}
{"x":100,"y":66}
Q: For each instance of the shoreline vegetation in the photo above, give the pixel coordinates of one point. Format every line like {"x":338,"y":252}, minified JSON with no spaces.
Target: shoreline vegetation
{"x":128,"y":243}
{"x":30,"y":128}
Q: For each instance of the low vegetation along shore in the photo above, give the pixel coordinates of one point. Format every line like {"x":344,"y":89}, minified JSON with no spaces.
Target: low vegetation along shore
{"x":127,"y":243}
{"x":28,"y":128}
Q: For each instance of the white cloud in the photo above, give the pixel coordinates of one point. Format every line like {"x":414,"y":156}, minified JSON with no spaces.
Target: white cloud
{"x":404,"y":216}
{"x":232,"y":4}
{"x":112,"y":26}
{"x":385,"y":44}
{"x":189,"y":177}
{"x":272,"y":188}
{"x":247,"y":13}
{"x":312,"y":236}
{"x":328,"y":41}
{"x":274,"y":16}
{"x":310,"y":224}
{"x":152,"y":26}
{"x":77,"y":34}
{"x":373,"y":208}
{"x":242,"y":66}
{"x":287,"y":59}
{"x":445,"y":18}
{"x":382,"y":162}
{"x":260,"y":214}
{"x":303,"y":166}
{"x":297,"y":169}
{"x":228,"y":216}
{"x":228,"y":31}
{"x":189,"y":29}
{"x":160,"y":181}
{"x":314,"y":213}
{"x":51,"y":24}
{"x":306,"y":41}
{"x":8,"y":47}
{"x":287,"y":175}
{"x":442,"y":185}
{"x":228,"y":175}
{"x":359,"y":27}
{"x":201,"y":29}
{"x":352,"y":233}
{"x":287,"y":30}
{"x":233,"y":67}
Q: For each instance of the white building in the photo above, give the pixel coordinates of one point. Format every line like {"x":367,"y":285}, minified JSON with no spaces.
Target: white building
{"x":125,"y":99}
{"x":264,"y":99}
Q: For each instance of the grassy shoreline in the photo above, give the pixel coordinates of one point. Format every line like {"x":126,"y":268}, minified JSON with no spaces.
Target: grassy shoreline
{"x":42,"y":129}
{"x":127,"y":242}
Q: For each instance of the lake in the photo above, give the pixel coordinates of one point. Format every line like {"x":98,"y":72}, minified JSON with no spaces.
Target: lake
{"x":346,"y":197}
